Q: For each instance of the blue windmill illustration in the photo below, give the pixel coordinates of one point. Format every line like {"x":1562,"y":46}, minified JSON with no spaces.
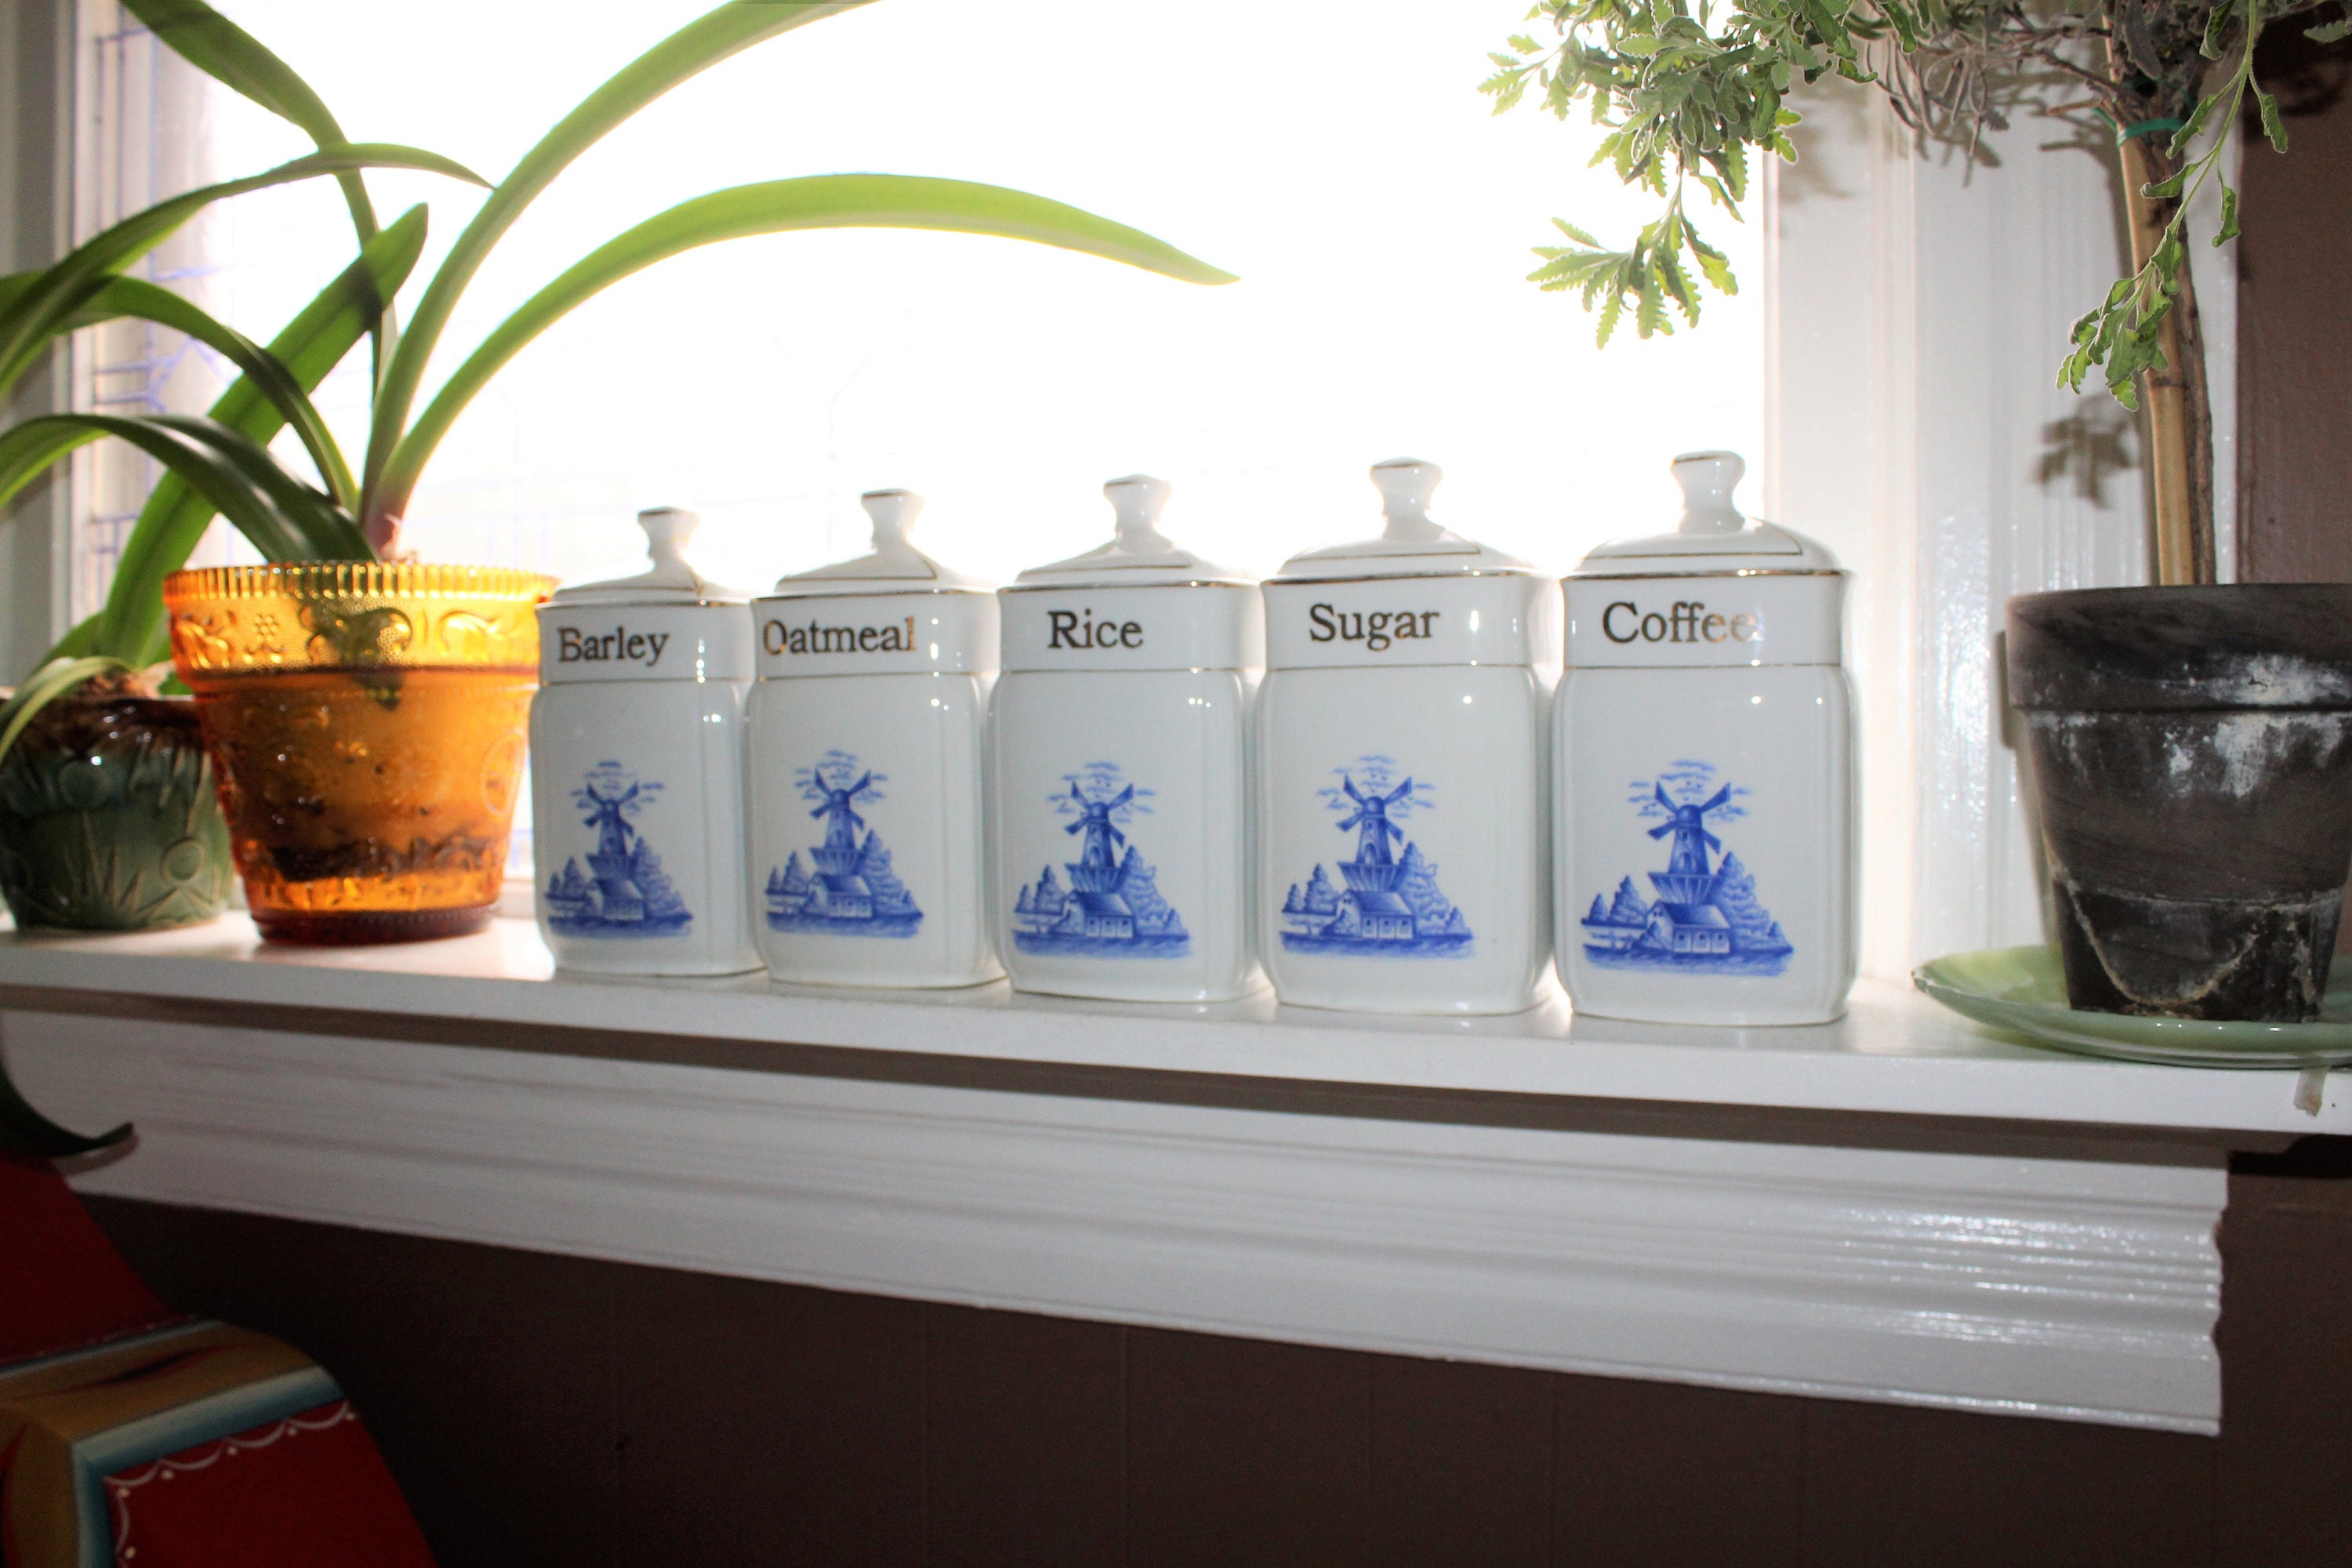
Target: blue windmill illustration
{"x":1687,"y":879}
{"x":1392,"y":903}
{"x":853,"y":891}
{"x":1095,"y":878}
{"x":836,"y":888}
{"x":1707,"y":915}
{"x":1372,"y":874}
{"x":1113,"y":907}
{"x":626,"y":891}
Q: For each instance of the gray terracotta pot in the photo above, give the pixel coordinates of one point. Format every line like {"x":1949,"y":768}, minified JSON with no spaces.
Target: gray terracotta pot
{"x":2192,"y":754}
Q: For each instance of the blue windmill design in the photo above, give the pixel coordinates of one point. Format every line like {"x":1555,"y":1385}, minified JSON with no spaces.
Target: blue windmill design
{"x":1372,"y":874}
{"x":613,"y":863}
{"x":1372,"y":815}
{"x":840,"y":891}
{"x":1098,"y":868}
{"x":1113,"y":908}
{"x":1097,"y":877}
{"x":1707,"y":918}
{"x":1689,"y":880}
{"x":608,"y":815}
{"x":626,"y":892}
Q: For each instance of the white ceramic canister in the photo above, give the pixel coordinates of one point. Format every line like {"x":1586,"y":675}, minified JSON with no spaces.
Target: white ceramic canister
{"x":636,"y":767}
{"x":1119,"y":744}
{"x":867,"y":728}
{"x":1705,"y":856}
{"x":1403,"y":795}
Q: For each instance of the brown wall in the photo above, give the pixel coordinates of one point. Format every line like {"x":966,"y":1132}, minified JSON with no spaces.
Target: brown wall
{"x":2295,"y":346}
{"x":2294,"y":334}
{"x":551,"y":1410}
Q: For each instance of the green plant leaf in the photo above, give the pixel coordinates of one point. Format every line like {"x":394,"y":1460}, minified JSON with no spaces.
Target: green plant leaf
{"x":135,"y":297}
{"x":2273,"y":126}
{"x":236,"y":59}
{"x":30,"y":448}
{"x":776,"y":207}
{"x":34,"y":311}
{"x":310,"y":346}
{"x":46,"y":684}
{"x":80,"y":640}
{"x":322,"y":531}
{"x":692,"y":49}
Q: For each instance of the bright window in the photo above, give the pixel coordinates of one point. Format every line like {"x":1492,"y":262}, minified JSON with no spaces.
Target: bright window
{"x":1341,"y":163}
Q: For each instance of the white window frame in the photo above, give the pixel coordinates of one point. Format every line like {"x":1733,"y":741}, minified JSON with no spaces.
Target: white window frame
{"x":36,"y":75}
{"x":1918,"y":307}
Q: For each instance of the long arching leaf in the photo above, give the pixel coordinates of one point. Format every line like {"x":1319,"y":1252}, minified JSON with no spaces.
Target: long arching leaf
{"x":322,"y":530}
{"x":693,"y":48}
{"x":28,"y":449}
{"x":236,"y":59}
{"x":34,"y":311}
{"x":46,"y":684}
{"x":176,"y":515}
{"x":818,"y":201}
{"x":80,"y":640}
{"x":118,"y":297}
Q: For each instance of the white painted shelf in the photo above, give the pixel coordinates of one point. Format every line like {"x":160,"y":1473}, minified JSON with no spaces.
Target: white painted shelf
{"x":1894,"y":1053}
{"x":1898,"y":1207}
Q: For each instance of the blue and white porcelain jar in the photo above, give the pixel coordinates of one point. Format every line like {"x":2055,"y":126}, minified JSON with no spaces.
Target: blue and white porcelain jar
{"x":1120,"y":742}
{"x":1403,"y":799}
{"x":865,"y":751}
{"x":1705,"y":856}
{"x":636,"y":768}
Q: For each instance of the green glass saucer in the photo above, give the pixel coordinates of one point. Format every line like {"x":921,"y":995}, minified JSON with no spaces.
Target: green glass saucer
{"x":2023,"y":990}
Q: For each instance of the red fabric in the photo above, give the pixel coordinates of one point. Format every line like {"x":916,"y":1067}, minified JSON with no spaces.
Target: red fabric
{"x":64,"y":1285}
{"x":307,"y":1492}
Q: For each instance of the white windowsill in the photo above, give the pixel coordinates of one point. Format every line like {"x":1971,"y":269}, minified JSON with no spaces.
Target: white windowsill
{"x":1894,"y":1053}
{"x":1897,"y":1207}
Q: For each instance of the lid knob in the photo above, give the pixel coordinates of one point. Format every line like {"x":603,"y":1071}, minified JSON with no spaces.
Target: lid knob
{"x":1139,"y":499}
{"x":894,"y":513}
{"x":667,"y":529}
{"x":1405,"y":485}
{"x":1707,"y":479}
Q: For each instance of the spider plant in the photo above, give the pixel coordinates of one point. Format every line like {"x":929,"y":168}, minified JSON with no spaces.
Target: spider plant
{"x":355,"y":515}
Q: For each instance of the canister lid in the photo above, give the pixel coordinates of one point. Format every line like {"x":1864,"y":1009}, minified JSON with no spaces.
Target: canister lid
{"x":672,"y":581}
{"x":1412,"y":544}
{"x":1139,"y":556}
{"x":895,"y":566}
{"x":1714,"y":538}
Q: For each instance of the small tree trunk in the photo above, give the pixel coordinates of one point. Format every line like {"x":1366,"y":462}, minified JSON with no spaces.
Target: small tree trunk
{"x":2178,"y":403}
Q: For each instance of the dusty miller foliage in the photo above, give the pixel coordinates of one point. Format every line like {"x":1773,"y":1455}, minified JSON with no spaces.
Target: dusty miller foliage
{"x":1686,"y":97}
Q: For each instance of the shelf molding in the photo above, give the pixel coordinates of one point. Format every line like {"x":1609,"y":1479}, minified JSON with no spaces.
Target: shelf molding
{"x":2081,"y":1289}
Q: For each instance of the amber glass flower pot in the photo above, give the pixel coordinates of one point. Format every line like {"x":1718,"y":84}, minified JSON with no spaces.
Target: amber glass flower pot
{"x":367,"y":724}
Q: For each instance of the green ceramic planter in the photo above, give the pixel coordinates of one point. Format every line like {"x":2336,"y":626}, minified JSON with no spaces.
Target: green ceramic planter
{"x":109,"y":820}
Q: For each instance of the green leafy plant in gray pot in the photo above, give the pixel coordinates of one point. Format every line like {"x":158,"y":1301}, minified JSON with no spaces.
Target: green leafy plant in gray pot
{"x":2192,"y":742}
